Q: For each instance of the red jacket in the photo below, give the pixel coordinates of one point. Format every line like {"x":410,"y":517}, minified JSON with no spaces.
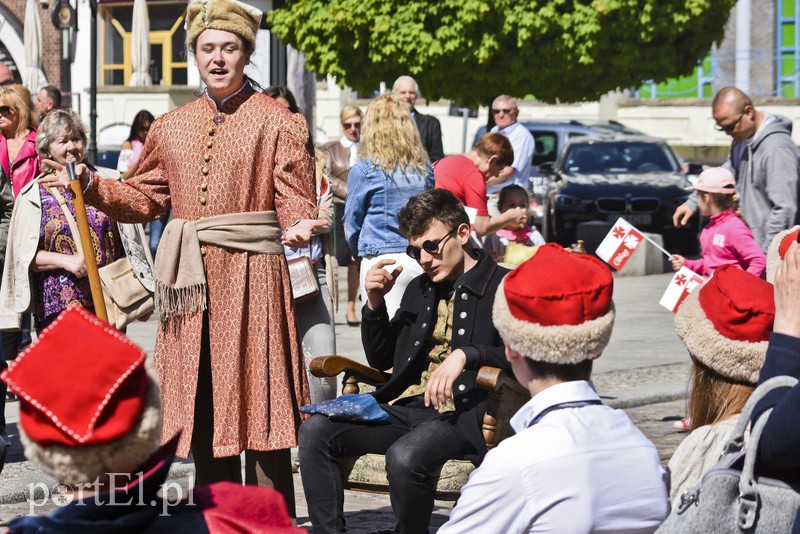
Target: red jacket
{"x":25,"y":167}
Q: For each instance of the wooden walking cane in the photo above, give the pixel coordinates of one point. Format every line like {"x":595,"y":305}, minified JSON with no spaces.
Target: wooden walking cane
{"x":86,"y":243}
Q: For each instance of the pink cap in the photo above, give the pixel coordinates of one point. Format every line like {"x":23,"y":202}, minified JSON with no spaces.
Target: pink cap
{"x":715,"y":180}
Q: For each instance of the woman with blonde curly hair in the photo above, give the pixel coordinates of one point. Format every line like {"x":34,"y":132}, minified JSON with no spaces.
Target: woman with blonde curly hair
{"x":393,"y":167}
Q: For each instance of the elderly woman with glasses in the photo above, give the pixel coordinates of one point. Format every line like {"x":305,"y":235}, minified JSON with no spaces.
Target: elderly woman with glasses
{"x":393,"y":167}
{"x":339,"y":156}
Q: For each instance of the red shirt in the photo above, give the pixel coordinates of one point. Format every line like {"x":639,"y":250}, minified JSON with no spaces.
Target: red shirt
{"x":459,"y":175}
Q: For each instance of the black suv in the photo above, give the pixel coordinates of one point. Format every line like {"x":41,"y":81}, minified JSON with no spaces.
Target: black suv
{"x":553,"y":134}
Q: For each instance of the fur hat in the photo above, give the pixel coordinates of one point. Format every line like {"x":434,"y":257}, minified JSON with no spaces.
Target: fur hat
{"x":556,"y":307}
{"x":726,"y":323}
{"x":777,"y":250}
{"x":106,"y":419}
{"x":226,"y":15}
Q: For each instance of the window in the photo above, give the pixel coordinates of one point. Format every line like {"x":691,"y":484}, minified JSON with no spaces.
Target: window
{"x":695,"y":85}
{"x":788,"y":49}
{"x":168,"y":65}
{"x":546,"y":147}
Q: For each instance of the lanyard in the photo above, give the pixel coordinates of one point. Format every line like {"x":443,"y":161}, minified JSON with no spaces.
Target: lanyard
{"x":562,"y":406}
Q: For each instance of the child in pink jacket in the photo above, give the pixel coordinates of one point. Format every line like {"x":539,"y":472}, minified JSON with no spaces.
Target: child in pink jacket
{"x":726,"y":239}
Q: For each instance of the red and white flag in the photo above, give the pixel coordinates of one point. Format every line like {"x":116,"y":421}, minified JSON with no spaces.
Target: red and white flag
{"x":684,"y":282}
{"x":620,"y":243}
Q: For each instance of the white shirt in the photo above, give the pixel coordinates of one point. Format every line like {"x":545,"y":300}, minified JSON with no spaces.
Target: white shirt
{"x":523,"y":144}
{"x":352,"y":147}
{"x":576,"y":470}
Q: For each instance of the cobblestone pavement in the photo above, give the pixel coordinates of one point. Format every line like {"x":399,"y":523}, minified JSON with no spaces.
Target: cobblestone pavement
{"x":643,"y":371}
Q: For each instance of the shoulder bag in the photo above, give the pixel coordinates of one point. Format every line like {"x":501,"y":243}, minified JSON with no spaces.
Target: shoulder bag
{"x":731,"y":498}
{"x":126,"y":298}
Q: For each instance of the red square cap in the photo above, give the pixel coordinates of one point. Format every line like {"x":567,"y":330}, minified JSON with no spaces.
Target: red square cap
{"x":81,"y":382}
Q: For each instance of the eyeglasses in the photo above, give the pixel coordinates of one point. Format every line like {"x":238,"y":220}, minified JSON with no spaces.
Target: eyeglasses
{"x":503,"y":110}
{"x":730,"y":127}
{"x":144,"y":129}
{"x":5,"y":110}
{"x":350,"y":125}
{"x":430,"y":246}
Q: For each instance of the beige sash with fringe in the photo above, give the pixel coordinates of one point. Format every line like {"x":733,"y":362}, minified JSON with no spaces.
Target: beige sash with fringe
{"x":179,"y":271}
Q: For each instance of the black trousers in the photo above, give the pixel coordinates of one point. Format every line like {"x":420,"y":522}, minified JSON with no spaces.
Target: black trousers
{"x":416,"y":441}
{"x":272,"y":469}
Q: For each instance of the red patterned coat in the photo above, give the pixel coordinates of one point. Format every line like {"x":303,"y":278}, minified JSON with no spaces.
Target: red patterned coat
{"x":258,"y":158}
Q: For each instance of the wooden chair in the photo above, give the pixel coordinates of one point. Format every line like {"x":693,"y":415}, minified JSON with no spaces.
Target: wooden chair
{"x":368,"y":472}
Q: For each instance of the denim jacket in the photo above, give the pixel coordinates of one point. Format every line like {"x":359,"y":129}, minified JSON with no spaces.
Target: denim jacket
{"x":374,"y":198}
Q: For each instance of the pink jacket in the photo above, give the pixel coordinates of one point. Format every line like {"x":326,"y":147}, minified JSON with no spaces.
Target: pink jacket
{"x":726,"y":240}
{"x":25,"y":167}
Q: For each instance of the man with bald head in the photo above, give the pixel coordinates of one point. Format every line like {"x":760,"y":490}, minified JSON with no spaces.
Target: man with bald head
{"x":430,"y":131}
{"x":764,"y":160}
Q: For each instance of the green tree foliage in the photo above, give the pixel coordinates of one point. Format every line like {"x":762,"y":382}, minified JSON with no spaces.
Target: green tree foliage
{"x":472,"y":50}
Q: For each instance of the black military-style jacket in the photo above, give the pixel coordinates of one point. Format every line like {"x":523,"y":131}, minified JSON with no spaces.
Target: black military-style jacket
{"x":398,"y":344}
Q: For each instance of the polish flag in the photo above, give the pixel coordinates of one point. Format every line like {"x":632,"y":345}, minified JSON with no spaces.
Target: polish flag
{"x":684,"y":282}
{"x":620,"y":243}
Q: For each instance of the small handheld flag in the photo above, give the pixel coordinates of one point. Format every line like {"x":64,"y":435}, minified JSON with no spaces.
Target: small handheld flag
{"x":684,"y":282}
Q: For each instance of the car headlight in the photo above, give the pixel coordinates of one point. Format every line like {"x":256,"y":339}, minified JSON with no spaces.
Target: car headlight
{"x":569,"y":201}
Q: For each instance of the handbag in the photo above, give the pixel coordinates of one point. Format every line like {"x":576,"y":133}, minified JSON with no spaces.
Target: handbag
{"x":305,"y":285}
{"x":125,"y":297}
{"x":730,"y":497}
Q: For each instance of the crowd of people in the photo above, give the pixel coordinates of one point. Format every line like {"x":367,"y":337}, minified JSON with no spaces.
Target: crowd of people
{"x":243,"y":211}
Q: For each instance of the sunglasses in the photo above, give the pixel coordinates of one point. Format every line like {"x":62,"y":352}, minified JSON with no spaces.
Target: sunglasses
{"x":430,"y":246}
{"x":349,"y":125}
{"x":503,"y":110}
{"x":730,"y":127}
{"x":5,"y":110}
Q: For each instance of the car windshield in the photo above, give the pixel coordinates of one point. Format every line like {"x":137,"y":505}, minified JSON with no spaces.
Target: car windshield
{"x":619,"y":157}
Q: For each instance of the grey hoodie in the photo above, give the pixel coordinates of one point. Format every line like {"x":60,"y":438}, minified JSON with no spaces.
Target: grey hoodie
{"x":766,"y":179}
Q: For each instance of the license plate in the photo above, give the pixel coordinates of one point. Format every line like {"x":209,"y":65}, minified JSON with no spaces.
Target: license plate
{"x":638,"y":218}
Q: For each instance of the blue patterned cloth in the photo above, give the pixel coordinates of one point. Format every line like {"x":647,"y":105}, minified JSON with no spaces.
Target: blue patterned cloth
{"x":359,"y":408}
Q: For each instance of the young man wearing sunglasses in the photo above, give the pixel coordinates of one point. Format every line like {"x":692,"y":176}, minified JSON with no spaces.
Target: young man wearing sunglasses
{"x":764,"y":160}
{"x":439,"y":338}
{"x":505,"y":112}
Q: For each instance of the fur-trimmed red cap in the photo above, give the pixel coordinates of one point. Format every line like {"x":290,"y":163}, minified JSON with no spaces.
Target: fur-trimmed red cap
{"x":727,"y":322}
{"x":556,"y":307}
{"x":80,"y":383}
{"x":777,"y":250}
